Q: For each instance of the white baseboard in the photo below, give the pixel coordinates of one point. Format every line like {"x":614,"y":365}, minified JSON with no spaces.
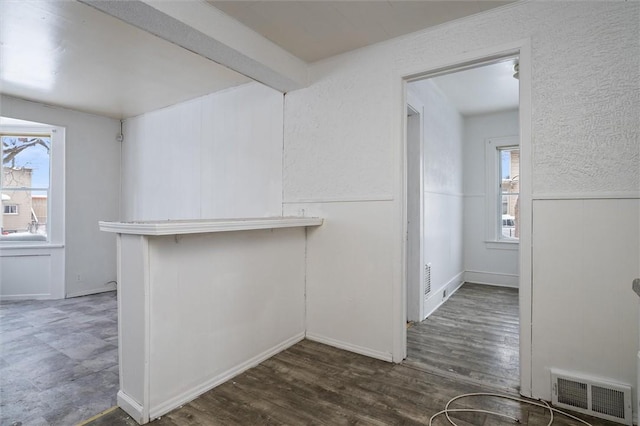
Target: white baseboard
{"x":103,"y":289}
{"x":349,"y":347}
{"x":451,"y":286}
{"x":492,"y":278}
{"x":217,"y":380}
{"x":132,"y":408}
{"x":349,"y":199}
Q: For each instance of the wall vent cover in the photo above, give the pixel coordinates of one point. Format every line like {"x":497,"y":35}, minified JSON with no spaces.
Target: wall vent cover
{"x":427,"y":279}
{"x":606,"y":400}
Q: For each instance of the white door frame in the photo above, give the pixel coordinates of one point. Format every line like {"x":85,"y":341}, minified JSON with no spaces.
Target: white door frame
{"x":522,"y":49}
{"x":415,"y":290}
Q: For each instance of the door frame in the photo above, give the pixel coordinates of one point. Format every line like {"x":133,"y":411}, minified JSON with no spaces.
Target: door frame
{"x":416,"y":290}
{"x":429,"y":68}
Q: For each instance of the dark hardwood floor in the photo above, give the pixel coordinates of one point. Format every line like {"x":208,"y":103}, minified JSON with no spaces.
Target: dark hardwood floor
{"x":472,"y":337}
{"x":315,"y":384}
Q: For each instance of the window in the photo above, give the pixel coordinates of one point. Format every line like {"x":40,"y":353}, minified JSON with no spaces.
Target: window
{"x":10,"y":208}
{"x":25,"y":186}
{"x":509,"y":194}
{"x":503,"y":190}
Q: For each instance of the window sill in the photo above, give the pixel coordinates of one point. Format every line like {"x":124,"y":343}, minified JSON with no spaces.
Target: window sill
{"x":16,"y":246}
{"x":502,"y":245}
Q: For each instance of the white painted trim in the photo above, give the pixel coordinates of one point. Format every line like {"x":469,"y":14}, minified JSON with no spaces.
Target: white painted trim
{"x":493,"y":206}
{"x":399,"y":260}
{"x":526,"y":219}
{"x":217,"y":380}
{"x":4,"y":247}
{"x":103,"y":289}
{"x":621,"y":195}
{"x":177,"y":227}
{"x":451,"y":289}
{"x":131,"y":407}
{"x":120,"y":321}
{"x":497,"y":279}
{"x":417,"y":105}
{"x":355,"y":199}
{"x":384,"y":356}
{"x":448,"y":194}
{"x":146,"y":396}
{"x":502,"y":245}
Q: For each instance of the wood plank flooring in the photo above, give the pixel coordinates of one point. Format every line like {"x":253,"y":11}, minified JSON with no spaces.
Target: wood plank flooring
{"x":472,"y":337}
{"x":58,"y":359}
{"x":315,"y":384}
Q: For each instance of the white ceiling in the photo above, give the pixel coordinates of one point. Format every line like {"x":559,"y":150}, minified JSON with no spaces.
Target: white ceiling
{"x":314,"y":30}
{"x":70,"y":54}
{"x":12,"y":122}
{"x":481,"y":90}
{"x":67,"y":53}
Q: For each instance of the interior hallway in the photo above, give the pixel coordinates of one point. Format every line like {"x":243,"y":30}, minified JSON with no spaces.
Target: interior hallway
{"x":58,"y":359}
{"x":473,"y":336}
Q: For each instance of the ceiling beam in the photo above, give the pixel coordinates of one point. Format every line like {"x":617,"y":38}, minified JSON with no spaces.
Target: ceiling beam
{"x":201,"y":28}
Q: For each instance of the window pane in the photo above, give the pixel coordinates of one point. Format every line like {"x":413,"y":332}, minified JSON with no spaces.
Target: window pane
{"x":25,"y":187}
{"x":25,"y":161}
{"x":24,"y":215}
{"x":510,"y":216}
{"x":509,"y":190}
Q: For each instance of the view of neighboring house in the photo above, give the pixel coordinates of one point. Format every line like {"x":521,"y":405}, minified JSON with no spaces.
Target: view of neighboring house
{"x":24,"y":186}
{"x":22,"y":211}
{"x":39,"y":210}
{"x":510,"y":190}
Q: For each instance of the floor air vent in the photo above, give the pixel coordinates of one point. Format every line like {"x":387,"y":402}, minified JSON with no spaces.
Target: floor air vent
{"x":427,"y":279}
{"x":611,"y":401}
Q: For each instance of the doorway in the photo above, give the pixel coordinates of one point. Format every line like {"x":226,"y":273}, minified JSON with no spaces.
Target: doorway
{"x":463,"y":274}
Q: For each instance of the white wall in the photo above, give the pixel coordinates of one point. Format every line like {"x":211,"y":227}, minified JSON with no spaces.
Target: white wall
{"x":338,"y":165}
{"x":216,"y":156}
{"x":583,"y":289}
{"x":197,"y":336}
{"x":201,"y":308}
{"x":343,"y":161}
{"x":443,"y":190}
{"x":92,"y":190}
{"x":495,"y":264}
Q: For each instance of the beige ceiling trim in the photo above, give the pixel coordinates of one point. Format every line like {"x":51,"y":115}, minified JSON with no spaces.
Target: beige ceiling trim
{"x":206,"y":31}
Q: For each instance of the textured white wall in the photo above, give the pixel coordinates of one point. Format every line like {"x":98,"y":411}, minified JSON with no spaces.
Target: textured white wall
{"x":336,"y":140}
{"x":443,"y":191}
{"x":218,"y":156}
{"x":585,"y":86}
{"x":92,"y":180}
{"x":338,"y":166}
{"x":342,"y":145}
{"x":489,"y":263}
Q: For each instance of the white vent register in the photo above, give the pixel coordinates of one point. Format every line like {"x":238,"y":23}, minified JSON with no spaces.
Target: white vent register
{"x":427,"y":279}
{"x":606,"y":400}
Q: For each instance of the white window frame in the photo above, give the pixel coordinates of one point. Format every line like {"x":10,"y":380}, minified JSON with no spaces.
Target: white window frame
{"x":493,"y":203}
{"x":55,"y":197}
{"x":4,"y":210}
